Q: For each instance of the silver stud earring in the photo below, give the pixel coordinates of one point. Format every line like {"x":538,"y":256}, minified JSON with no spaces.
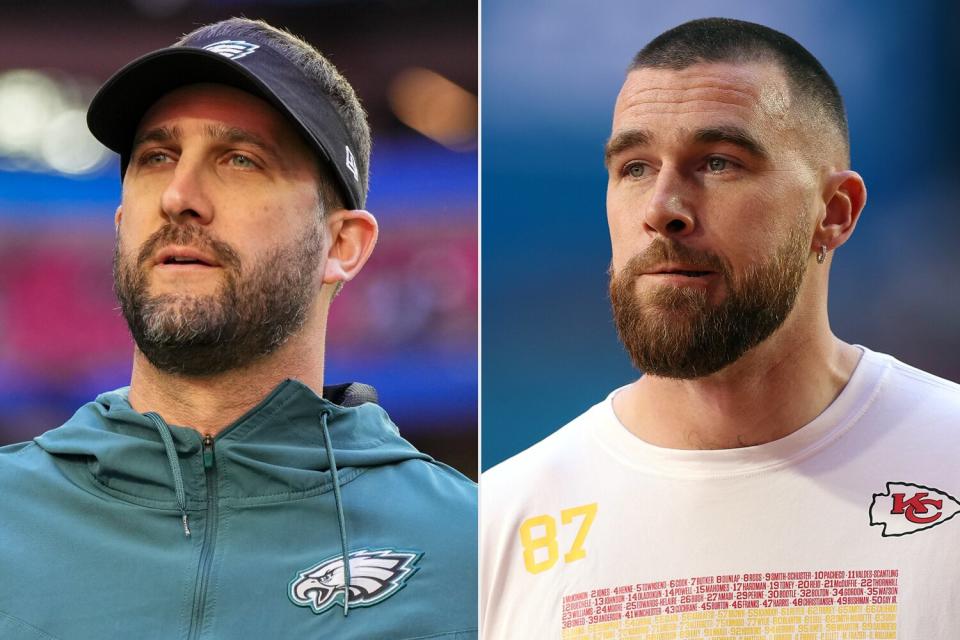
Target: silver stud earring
{"x":822,"y":254}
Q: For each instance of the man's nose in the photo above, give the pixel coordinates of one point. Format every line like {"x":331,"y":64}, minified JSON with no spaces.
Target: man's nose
{"x":186,"y":196}
{"x":669,"y":212}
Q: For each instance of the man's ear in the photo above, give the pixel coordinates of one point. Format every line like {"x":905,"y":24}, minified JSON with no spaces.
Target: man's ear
{"x":844,"y":196}
{"x":352,"y":234}
{"x":117,"y":216}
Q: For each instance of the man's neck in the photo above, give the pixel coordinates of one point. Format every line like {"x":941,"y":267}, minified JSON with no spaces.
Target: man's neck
{"x":770,"y":392}
{"x":210,"y":404}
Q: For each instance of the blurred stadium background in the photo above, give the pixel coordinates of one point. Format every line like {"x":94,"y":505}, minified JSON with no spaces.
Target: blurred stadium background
{"x":407,"y":325}
{"x":551,"y":71}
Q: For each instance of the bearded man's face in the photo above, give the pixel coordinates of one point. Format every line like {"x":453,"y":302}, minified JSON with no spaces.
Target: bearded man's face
{"x":711,"y":196}
{"x":220,"y":237}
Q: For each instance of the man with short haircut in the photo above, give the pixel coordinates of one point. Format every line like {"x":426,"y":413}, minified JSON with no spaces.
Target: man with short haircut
{"x":227,"y":493}
{"x":762,"y":478}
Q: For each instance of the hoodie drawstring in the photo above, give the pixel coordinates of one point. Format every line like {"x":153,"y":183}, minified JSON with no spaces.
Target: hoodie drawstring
{"x":340,"y":518}
{"x":177,"y":473}
{"x":174,"y":461}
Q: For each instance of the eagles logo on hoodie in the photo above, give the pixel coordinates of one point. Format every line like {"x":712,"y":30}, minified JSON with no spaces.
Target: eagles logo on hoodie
{"x":374,"y":576}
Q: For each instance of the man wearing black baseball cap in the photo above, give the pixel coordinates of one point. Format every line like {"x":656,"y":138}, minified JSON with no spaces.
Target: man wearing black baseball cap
{"x":280,"y":507}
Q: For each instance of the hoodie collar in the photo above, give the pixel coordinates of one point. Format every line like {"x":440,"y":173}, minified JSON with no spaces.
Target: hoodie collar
{"x":274,"y":452}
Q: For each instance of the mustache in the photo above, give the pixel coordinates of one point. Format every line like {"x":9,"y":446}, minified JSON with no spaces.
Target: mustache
{"x":190,"y":236}
{"x":669,"y":250}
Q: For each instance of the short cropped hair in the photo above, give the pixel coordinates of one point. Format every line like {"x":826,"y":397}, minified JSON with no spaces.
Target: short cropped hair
{"x":728,"y":40}
{"x":331,"y":81}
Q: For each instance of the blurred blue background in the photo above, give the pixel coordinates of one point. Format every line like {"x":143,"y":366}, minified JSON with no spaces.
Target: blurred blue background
{"x":407,"y":325}
{"x":551,"y":71}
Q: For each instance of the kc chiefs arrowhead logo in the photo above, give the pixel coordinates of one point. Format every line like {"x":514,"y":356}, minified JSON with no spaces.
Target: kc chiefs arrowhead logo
{"x":907,"y":508}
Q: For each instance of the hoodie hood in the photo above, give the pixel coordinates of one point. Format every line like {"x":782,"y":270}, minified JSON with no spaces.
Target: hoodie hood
{"x":274,"y":452}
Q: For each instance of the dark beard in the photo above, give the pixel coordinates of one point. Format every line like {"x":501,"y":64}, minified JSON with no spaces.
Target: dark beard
{"x":674,"y":332}
{"x":255,"y":311}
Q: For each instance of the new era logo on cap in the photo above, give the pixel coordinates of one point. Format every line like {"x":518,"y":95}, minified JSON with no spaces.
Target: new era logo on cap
{"x":233,"y":49}
{"x":352,"y":164}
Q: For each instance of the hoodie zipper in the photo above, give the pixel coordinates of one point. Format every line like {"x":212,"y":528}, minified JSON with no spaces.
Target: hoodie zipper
{"x":209,"y":537}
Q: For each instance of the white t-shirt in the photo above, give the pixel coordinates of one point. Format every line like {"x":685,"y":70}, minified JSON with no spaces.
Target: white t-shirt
{"x":843,"y":529}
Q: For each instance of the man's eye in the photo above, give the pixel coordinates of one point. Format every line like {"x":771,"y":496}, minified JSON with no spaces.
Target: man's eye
{"x":241,"y":161}
{"x":154,"y":157}
{"x":717,"y":165}
{"x":637,"y":170}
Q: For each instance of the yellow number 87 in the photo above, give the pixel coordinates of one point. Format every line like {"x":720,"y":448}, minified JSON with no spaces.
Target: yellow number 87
{"x":547,"y":538}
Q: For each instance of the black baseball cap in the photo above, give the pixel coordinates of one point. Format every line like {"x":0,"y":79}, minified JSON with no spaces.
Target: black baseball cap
{"x":247,"y":62}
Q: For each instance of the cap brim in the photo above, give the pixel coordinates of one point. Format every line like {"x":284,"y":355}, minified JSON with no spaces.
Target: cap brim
{"x":118,"y":107}
{"x":121,"y":103}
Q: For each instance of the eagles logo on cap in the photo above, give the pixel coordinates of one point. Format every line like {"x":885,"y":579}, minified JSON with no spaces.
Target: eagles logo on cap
{"x":233,"y":49}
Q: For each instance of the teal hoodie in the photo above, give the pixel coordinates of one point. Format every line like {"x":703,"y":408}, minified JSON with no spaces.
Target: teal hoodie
{"x":117,"y":525}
